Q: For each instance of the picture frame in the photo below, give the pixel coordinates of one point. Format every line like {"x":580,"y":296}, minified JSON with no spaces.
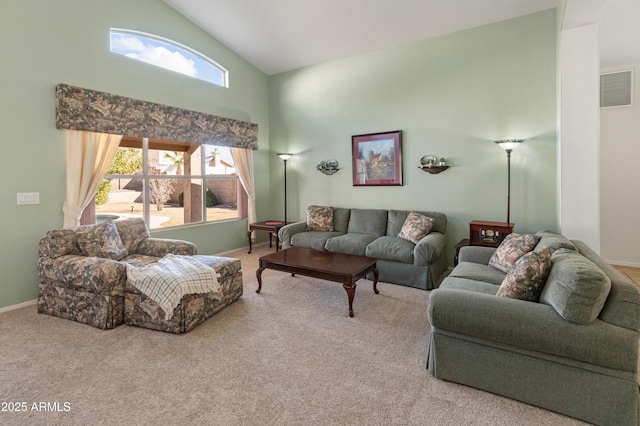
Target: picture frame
{"x":377,"y":159}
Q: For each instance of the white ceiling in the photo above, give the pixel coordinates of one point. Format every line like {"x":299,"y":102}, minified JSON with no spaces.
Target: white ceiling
{"x":282,"y":35}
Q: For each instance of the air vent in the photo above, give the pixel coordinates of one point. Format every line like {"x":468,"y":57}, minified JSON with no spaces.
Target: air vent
{"x":616,"y":89}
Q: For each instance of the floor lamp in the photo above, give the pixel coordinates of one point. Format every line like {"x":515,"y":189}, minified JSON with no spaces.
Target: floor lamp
{"x":285,"y":157}
{"x":508,"y":145}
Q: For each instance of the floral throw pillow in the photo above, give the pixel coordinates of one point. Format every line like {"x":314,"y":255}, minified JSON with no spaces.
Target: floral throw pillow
{"x":416,"y":226}
{"x":102,"y":240}
{"x":526,"y":279}
{"x":319,"y":218}
{"x":512,"y":248}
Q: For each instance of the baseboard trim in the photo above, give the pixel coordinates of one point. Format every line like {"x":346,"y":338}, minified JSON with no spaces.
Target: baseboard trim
{"x":630,"y":264}
{"x":18,"y":306}
{"x":224,"y":253}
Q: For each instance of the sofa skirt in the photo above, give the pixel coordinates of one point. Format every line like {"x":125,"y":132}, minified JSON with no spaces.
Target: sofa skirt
{"x":425,"y":277}
{"x":102,"y":311}
{"x":595,"y":394}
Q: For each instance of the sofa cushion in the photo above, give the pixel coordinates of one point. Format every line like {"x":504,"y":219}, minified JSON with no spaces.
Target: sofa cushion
{"x":132,"y":232}
{"x":512,"y":248}
{"x":368,"y":221}
{"x":479,"y":272}
{"x":527,"y":277}
{"x":415,"y":227}
{"x":350,"y":243}
{"x":102,"y":240}
{"x":319,"y":218}
{"x":576,"y":287}
{"x":341,"y":218}
{"x":554,"y":241}
{"x":622,"y":307}
{"x":391,"y":248}
{"x":60,"y":242}
{"x":468,"y":284}
{"x":313,"y":239}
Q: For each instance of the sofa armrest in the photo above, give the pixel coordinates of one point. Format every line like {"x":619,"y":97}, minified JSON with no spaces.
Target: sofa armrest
{"x":88,"y":273}
{"x":429,"y":248}
{"x":286,"y":232}
{"x":532,"y":326}
{"x":159,"y":247}
{"x":476,"y":254}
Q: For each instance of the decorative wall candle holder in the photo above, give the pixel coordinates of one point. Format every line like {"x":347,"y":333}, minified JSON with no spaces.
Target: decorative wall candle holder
{"x":431,"y":164}
{"x":328,"y":167}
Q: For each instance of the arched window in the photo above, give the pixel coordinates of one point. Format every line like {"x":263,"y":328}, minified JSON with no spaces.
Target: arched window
{"x":167,"y":54}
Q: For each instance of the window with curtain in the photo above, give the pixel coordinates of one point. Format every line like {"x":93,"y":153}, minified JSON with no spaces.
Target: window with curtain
{"x":171,"y":184}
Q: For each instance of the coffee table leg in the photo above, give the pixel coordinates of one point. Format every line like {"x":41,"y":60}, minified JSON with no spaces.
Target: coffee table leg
{"x":249,"y":236}
{"x":375,"y":280}
{"x":259,"y":276}
{"x":350,"y":287}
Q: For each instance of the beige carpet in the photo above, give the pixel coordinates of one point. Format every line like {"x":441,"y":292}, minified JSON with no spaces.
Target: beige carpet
{"x":288,"y":356}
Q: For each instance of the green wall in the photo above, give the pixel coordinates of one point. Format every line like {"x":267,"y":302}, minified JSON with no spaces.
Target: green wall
{"x":451,"y":96}
{"x":44,"y":43}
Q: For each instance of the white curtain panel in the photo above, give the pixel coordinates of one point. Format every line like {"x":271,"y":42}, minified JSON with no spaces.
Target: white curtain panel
{"x":89,"y":155}
{"x":243,"y":158}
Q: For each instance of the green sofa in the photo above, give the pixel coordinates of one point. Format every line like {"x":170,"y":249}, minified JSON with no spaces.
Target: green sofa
{"x":374,"y":233}
{"x":574,"y":352}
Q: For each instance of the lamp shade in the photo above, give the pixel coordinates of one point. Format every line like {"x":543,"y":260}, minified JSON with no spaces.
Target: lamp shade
{"x":509,"y":144}
{"x":285,"y":157}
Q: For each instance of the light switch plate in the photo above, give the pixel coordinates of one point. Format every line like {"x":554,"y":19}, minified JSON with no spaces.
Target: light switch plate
{"x":24,"y":198}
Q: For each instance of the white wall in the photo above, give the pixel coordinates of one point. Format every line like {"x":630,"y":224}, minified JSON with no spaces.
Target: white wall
{"x":579,"y":130}
{"x":620,"y":180}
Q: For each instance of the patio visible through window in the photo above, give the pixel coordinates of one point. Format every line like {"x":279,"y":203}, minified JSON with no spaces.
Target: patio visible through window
{"x":181,"y":182}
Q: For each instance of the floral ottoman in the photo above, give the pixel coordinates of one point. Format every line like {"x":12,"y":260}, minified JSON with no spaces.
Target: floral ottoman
{"x":141,"y":311}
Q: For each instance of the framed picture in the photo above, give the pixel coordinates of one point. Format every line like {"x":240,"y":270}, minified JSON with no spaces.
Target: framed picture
{"x":377,"y":159}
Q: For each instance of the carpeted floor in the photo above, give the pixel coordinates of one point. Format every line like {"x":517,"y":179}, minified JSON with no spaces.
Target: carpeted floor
{"x":288,"y":356}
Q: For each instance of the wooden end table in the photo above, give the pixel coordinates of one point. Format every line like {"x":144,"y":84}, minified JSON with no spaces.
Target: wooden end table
{"x":325,"y":265}
{"x":270,"y":226}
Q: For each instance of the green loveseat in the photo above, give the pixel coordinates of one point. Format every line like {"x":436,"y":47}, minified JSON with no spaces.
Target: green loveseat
{"x":574,"y":352}
{"x":374,"y":233}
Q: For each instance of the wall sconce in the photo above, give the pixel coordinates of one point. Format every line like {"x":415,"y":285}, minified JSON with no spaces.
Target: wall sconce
{"x":328,"y":167}
{"x":431,"y":164}
{"x":508,"y":145}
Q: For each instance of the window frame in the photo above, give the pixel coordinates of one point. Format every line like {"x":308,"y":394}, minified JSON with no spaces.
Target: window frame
{"x":146,"y":177}
{"x":140,"y":34}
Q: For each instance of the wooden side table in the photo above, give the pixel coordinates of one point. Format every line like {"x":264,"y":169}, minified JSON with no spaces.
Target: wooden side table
{"x":270,"y":226}
{"x":489,"y":234}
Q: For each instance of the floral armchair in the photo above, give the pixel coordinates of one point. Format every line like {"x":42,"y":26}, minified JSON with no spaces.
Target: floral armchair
{"x":83,"y":270}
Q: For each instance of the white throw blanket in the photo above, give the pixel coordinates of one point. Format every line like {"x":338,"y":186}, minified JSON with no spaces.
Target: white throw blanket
{"x":168,"y":280}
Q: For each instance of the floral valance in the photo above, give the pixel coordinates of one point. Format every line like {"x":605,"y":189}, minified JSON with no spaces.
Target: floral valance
{"x":84,"y":109}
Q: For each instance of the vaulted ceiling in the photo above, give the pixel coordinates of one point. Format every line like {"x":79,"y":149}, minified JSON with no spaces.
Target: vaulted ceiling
{"x":282,"y":35}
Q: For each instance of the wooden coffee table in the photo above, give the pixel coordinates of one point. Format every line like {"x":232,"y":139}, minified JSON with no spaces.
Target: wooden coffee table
{"x":336,"y":267}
